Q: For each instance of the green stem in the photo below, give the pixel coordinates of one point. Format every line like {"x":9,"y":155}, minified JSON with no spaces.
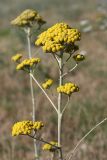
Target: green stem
{"x":28,"y":31}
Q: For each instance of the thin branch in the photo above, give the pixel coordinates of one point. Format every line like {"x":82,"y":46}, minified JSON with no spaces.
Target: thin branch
{"x":44,"y":92}
{"x":67,"y":60}
{"x":81,"y":140}
{"x":65,"y":106}
{"x":70,"y":54}
{"x":70,"y":70}
{"x":42,"y":140}
{"x":57,"y":60}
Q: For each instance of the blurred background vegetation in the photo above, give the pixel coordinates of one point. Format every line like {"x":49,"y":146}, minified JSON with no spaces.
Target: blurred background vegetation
{"x":86,"y":108}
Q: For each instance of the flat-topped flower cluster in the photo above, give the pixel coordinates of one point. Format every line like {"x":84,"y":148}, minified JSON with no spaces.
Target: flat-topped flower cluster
{"x":68,"y":88}
{"x":58,"y":37}
{"x":26,"y":127}
{"x":28,"y":18}
{"x":28,"y":64}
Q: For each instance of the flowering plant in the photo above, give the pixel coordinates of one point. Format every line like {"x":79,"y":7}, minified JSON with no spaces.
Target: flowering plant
{"x":59,"y":41}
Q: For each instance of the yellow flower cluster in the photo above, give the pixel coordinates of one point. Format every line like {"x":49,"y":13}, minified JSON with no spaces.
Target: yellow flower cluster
{"x":57,"y":38}
{"x":17,"y":57}
{"x":26,"y":127}
{"x":50,"y":147}
{"x":47,"y":84}
{"x":27,"y":18}
{"x":68,"y":88}
{"x":28,"y":64}
{"x":79,"y":57}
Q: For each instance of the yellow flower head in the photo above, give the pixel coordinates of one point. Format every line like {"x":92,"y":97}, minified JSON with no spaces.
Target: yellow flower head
{"x":28,"y":64}
{"x":27,"y":18}
{"x":47,"y":84}
{"x":57,"y":38}
{"x":79,"y":57}
{"x":49,"y":147}
{"x":26,"y":127}
{"x":16,"y":58}
{"x":68,"y":88}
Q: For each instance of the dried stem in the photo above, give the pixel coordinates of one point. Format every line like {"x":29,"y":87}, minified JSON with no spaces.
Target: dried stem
{"x":72,"y":153}
{"x":44,"y":141}
{"x":57,"y":60}
{"x":69,"y":70}
{"x":65,"y":106}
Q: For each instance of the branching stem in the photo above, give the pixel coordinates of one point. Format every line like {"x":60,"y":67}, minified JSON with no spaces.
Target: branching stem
{"x":65,"y":106}
{"x":57,"y":60}
{"x":44,"y":92}
{"x":66,"y":60}
{"x":69,"y":70}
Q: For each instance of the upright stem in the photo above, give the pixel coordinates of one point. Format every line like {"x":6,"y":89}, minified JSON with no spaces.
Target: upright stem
{"x":28,"y":31}
{"x":60,"y":101}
